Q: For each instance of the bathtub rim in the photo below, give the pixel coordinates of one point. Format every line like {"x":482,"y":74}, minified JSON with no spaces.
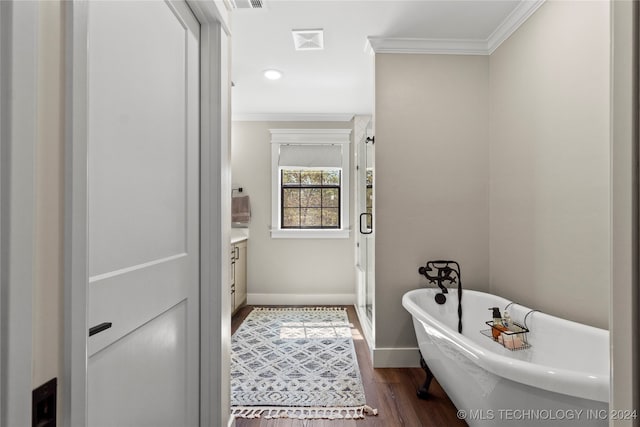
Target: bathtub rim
{"x":585,"y":385}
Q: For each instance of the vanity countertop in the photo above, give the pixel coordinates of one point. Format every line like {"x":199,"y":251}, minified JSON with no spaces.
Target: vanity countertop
{"x":239,"y":234}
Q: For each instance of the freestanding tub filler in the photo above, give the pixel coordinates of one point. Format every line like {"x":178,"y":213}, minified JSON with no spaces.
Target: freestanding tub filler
{"x":562,"y":379}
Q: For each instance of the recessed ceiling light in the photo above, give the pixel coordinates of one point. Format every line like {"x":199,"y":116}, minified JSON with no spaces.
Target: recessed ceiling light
{"x":273,"y":74}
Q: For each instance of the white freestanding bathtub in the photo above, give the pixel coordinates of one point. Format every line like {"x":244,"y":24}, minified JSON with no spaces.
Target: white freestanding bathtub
{"x":561,"y":380}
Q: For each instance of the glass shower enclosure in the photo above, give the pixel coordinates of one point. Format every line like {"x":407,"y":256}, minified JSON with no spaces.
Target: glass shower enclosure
{"x":365,"y":232}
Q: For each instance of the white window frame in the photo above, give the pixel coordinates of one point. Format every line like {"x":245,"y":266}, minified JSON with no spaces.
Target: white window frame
{"x":340,"y":137}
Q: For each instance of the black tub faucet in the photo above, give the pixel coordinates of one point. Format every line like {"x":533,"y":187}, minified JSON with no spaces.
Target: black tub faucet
{"x":439,"y":272}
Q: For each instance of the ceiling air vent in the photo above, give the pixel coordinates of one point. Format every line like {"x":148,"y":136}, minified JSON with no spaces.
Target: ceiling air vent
{"x":248,"y":4}
{"x":308,"y":39}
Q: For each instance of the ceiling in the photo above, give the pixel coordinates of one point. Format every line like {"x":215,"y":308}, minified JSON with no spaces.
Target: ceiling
{"x":339,"y":79}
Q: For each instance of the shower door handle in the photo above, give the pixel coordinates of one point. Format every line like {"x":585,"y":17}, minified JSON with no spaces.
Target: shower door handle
{"x":369,"y":230}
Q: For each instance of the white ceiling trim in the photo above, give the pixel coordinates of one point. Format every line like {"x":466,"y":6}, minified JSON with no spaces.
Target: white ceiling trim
{"x":432,"y":46}
{"x":519,"y":16}
{"x":310,"y":136}
{"x":511,"y":23}
{"x":291,"y":117}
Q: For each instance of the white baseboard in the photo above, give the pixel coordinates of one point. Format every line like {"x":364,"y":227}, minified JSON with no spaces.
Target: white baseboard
{"x":301,"y":299}
{"x":396,"y":358}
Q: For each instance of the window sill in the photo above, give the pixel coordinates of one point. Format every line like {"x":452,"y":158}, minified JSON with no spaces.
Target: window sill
{"x":310,"y":234}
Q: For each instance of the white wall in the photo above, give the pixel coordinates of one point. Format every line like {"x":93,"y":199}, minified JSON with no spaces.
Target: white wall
{"x":431,"y":178}
{"x":550,"y":162}
{"x":286,"y":271}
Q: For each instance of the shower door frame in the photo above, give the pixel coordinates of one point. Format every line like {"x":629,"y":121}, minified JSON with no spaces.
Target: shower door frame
{"x":365,"y":272}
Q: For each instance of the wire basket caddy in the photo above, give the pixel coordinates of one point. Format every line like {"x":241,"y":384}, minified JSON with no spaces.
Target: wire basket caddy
{"x":514,"y":338}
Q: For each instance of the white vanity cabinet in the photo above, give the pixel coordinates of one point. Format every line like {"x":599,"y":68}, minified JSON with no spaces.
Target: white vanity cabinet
{"x":238,"y":274}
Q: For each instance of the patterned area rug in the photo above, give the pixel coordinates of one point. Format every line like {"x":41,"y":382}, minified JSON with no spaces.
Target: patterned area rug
{"x":296,"y":363}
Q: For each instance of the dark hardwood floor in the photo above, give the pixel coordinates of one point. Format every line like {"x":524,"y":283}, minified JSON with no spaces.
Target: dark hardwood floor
{"x":391,"y":390}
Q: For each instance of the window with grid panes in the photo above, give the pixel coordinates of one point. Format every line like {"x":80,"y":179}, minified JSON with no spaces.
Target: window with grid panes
{"x":310,"y":183}
{"x":310,"y":198}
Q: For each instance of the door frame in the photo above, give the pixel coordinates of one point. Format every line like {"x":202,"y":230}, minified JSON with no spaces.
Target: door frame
{"x":215,"y":186}
{"x":624,"y":304}
{"x":19,"y":22}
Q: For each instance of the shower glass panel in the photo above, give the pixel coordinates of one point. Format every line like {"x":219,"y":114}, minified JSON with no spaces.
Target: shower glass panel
{"x":365,"y":232}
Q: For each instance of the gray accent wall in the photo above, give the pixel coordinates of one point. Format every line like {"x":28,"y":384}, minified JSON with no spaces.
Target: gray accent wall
{"x":550,"y":162}
{"x":502,"y":163}
{"x":431,"y":178}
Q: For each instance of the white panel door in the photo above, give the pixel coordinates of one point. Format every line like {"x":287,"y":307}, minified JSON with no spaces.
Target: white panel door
{"x":143,"y":160}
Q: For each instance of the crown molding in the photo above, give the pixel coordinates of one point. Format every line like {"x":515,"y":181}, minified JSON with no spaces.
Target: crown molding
{"x":291,"y":117}
{"x":310,"y":136}
{"x":428,"y":46}
{"x":511,"y":23}
{"x":507,"y":27}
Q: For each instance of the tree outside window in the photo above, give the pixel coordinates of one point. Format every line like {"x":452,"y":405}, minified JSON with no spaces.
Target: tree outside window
{"x":310,"y":198}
